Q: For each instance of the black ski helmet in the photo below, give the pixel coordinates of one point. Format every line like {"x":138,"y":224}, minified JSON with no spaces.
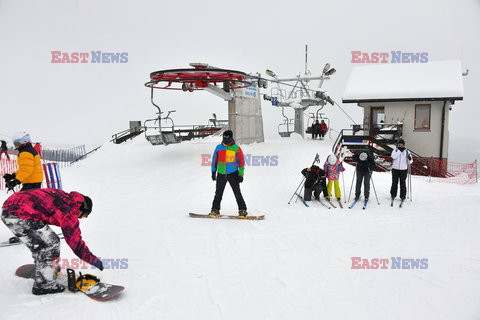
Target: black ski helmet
{"x":86,"y":206}
{"x":228,"y":134}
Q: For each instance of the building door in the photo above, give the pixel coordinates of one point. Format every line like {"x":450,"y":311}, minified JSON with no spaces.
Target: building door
{"x":377,"y":119}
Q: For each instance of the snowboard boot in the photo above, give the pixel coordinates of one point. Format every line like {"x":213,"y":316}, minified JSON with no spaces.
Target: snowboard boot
{"x":214,"y":212}
{"x":41,"y":291}
{"x":242,"y":213}
{"x":13,"y":240}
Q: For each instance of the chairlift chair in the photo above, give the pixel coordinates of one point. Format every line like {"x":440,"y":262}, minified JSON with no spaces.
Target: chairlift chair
{"x":163,"y":137}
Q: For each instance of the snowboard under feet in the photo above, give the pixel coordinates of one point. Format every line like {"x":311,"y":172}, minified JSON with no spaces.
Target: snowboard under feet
{"x":93,"y":289}
{"x":26,"y":271}
{"x":222,"y":216}
{"x":103,"y":291}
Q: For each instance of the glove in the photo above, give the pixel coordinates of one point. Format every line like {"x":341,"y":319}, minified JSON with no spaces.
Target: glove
{"x":9,"y":176}
{"x":240,"y":179}
{"x":214,"y":176}
{"x":98,"y":264}
{"x":12,"y":183}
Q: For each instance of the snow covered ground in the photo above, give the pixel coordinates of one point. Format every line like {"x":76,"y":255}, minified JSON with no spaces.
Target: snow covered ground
{"x":295,"y":264}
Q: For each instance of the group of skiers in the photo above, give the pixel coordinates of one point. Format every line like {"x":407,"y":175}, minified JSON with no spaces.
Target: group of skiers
{"x":319,"y":129}
{"x":316,"y":178}
{"x":29,"y":213}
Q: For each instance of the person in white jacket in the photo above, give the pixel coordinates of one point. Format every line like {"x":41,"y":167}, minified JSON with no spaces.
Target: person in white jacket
{"x":401,"y":161}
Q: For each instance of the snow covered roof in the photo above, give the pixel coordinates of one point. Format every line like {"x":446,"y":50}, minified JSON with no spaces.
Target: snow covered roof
{"x":439,"y":80}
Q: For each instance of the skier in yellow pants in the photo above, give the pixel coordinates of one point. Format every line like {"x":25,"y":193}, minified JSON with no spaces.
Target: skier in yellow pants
{"x":333,"y":167}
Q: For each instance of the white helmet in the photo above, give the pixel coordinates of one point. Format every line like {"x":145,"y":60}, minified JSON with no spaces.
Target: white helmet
{"x":332,"y":159}
{"x":363,"y":156}
{"x":20,"y":138}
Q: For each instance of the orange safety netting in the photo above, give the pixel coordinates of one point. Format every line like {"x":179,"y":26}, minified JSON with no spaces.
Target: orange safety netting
{"x":6,"y":166}
{"x":445,"y":171}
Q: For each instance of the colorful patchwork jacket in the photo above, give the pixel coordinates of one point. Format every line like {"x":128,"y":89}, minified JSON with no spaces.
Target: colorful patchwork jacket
{"x":228,"y":159}
{"x":54,"y":207}
{"x":333,"y":172}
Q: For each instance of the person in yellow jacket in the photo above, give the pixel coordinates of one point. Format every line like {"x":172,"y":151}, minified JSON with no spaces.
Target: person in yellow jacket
{"x":30,"y":172}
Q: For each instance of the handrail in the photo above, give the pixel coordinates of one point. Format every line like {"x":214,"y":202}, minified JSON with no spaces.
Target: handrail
{"x":86,"y":154}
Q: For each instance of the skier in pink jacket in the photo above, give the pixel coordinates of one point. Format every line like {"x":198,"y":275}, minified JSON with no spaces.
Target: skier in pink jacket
{"x":28,"y":215}
{"x":333,"y":167}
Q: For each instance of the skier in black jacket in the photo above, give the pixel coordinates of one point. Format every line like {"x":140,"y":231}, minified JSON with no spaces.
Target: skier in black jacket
{"x":364,"y":167}
{"x":315,"y":180}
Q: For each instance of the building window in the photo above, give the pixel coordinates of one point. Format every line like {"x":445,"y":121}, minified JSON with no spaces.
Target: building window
{"x":422,"y":116}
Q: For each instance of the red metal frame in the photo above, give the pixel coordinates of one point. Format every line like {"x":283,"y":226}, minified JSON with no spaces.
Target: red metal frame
{"x":197,"y":78}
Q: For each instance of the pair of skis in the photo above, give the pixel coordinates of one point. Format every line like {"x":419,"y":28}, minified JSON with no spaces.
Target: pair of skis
{"x":365,"y":203}
{"x":321,"y":202}
{"x":400,"y":205}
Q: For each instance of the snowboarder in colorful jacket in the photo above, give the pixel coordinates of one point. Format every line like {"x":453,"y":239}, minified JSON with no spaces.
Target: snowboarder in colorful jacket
{"x":333,"y":167}
{"x":229,"y":162}
{"x":30,"y":172}
{"x":28,"y":215}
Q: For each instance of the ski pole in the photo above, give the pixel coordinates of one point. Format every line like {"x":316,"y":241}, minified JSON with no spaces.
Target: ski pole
{"x":373,"y":184}
{"x":295,"y":193}
{"x":317,"y":159}
{"x":344,"y":193}
{"x":299,"y":193}
{"x":354,"y":173}
{"x":410,"y":181}
{"x":409,"y":176}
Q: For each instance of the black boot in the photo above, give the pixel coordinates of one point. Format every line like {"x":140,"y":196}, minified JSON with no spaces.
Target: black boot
{"x":40,"y":291}
{"x":13,"y":240}
{"x":242,"y":213}
{"x":214,"y":212}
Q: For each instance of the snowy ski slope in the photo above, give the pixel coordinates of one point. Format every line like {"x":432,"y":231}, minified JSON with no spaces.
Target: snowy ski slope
{"x":296,"y":264}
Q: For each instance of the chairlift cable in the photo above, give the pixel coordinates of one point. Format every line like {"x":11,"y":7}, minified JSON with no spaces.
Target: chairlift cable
{"x":344,"y":111}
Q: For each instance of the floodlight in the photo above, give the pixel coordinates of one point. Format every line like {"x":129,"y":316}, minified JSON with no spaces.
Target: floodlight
{"x":325,"y":69}
{"x":271,"y":73}
{"x":330,"y":72}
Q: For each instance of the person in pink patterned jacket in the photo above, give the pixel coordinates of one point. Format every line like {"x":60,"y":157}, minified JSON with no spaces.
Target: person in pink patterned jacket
{"x":28,"y":215}
{"x":333,"y":167}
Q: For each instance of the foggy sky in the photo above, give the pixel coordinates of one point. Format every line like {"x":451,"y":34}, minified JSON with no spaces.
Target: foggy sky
{"x":87,"y":103}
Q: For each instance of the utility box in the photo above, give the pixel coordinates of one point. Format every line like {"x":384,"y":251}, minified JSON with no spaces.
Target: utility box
{"x":245,"y":115}
{"x":135,"y":126}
